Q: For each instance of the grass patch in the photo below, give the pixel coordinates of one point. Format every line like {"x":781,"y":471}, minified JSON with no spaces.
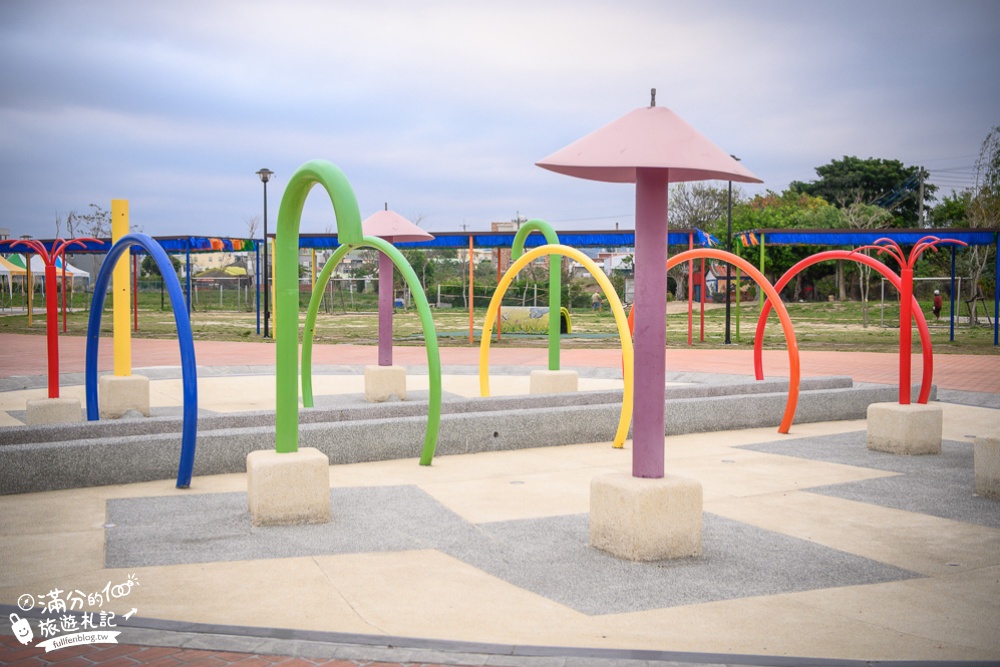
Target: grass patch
{"x":818,"y":326}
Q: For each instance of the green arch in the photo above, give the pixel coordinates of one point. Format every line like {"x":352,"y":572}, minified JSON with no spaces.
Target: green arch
{"x":426,"y":321}
{"x":286,"y":282}
{"x":555,"y":281}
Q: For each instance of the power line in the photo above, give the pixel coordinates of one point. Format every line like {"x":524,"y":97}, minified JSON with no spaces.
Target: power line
{"x":606,"y":217}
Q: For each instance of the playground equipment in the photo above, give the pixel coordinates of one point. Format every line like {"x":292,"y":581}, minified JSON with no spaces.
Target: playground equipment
{"x":902,"y":428}
{"x":345,"y":207}
{"x":881,"y":268}
{"x":616,"y":308}
{"x":555,"y":281}
{"x":645,"y":516}
{"x":650,"y":147}
{"x":426,"y":321}
{"x":51,"y":257}
{"x":556,"y":318}
{"x":349,"y":233}
{"x":906,"y":312}
{"x":772,"y":297}
{"x":534,"y":320}
{"x":385,"y":379}
{"x":851,"y":238}
{"x":184,"y":337}
{"x":283,"y":489}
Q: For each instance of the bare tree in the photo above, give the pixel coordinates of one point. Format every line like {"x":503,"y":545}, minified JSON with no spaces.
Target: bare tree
{"x":983,"y":210}
{"x":696,"y":206}
{"x":859,"y":215}
{"x":253,"y":224}
{"x":418,"y":219}
{"x":96,"y":224}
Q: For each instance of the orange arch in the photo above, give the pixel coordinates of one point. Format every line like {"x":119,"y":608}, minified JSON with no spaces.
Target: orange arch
{"x":772,"y":297}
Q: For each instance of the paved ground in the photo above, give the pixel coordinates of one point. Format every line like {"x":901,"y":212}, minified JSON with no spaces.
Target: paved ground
{"x":815,"y":549}
{"x":25,"y":355}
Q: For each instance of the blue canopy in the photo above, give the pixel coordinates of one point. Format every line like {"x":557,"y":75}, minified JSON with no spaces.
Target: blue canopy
{"x":859,"y":237}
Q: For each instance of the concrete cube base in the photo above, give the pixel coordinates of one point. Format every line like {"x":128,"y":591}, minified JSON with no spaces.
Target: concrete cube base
{"x":288,"y":489}
{"x":553,"y":382}
{"x":645,"y":519}
{"x":121,"y":393}
{"x":905,"y":429}
{"x":987,"y":466}
{"x":384,"y":382}
{"x":53,"y":411}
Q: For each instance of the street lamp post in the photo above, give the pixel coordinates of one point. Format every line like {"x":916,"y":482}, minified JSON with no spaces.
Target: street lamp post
{"x":265,"y":176}
{"x":729,"y":267}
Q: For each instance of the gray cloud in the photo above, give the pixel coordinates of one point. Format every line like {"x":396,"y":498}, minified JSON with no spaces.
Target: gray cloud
{"x":442,"y":108}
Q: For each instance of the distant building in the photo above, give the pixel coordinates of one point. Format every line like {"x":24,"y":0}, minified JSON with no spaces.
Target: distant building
{"x":203,"y":261}
{"x":502,"y":255}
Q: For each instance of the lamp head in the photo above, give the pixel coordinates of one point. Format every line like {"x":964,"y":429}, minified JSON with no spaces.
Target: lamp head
{"x":265,"y":175}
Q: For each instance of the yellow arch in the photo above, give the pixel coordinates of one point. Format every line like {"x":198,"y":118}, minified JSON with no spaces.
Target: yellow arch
{"x":616,"y":308}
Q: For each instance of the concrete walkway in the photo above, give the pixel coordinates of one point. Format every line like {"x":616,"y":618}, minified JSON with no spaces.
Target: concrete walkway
{"x":816,"y":551}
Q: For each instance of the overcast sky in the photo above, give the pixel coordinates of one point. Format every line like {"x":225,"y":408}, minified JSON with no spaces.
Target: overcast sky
{"x":441,"y":109}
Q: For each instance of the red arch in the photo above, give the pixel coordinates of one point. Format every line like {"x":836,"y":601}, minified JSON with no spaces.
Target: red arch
{"x":886,"y":272}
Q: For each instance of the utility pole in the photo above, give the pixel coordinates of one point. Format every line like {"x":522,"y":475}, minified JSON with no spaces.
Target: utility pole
{"x":920,"y":201}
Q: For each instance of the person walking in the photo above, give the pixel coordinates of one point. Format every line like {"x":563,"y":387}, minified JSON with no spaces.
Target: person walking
{"x":937,"y":304}
{"x":595,"y":300}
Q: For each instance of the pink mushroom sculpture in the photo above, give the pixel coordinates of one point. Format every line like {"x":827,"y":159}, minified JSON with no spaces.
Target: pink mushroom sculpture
{"x":394,"y":228}
{"x":651,"y":147}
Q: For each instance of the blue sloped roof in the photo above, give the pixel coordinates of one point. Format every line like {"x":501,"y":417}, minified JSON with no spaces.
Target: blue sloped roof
{"x":574,"y":239}
{"x":171,"y":244}
{"x":859,"y":237}
{"x":578,"y":239}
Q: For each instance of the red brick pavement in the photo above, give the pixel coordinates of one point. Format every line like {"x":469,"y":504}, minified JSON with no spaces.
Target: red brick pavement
{"x":25,"y":355}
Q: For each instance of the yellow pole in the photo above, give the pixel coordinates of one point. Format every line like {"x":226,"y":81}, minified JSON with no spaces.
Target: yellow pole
{"x":31,"y":286}
{"x":121,"y":302}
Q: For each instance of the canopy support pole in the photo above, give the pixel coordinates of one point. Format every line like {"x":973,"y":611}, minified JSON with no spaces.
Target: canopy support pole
{"x":951,"y":301}
{"x":256,"y":274}
{"x":472,"y":298}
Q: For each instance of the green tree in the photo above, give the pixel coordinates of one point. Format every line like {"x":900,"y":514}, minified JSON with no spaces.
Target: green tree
{"x":149,"y":267}
{"x":788,"y":210}
{"x":951,"y":212}
{"x":421,"y":264}
{"x":888,"y":183}
{"x":446,"y":264}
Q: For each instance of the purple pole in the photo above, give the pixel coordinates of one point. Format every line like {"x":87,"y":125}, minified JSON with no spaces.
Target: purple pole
{"x":650,"y":321}
{"x":385,"y":299}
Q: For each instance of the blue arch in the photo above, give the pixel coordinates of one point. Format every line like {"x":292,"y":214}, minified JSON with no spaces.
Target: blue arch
{"x":188,"y":366}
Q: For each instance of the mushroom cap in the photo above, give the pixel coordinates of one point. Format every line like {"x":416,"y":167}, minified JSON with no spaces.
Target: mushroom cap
{"x":393,"y":227}
{"x":649,"y":137}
